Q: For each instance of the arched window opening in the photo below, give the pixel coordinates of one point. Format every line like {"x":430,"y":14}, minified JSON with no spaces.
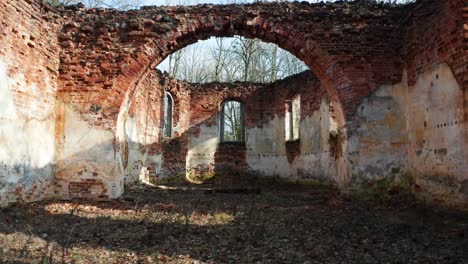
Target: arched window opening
{"x":232,"y":122}
{"x":293,"y":118}
{"x":168,"y":114}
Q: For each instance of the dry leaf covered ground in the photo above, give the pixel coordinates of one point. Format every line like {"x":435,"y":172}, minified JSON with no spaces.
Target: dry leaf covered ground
{"x":290,"y":224}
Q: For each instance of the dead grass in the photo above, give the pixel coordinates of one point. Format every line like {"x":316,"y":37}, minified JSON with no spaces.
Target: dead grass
{"x":290,"y":224}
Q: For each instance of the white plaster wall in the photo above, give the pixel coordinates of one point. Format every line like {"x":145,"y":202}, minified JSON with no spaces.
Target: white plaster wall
{"x":269,"y":165}
{"x":413,"y":131}
{"x":202,"y":149}
{"x":266,"y":149}
{"x":315,"y":130}
{"x":377,"y":139}
{"x":138,"y":158}
{"x":26,"y":142}
{"x":85,"y":153}
{"x":438,"y":151}
{"x":135,"y":164}
{"x":268,"y":139}
{"x":316,"y":161}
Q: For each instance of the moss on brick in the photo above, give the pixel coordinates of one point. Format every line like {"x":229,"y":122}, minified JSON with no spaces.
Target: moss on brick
{"x":391,"y":188}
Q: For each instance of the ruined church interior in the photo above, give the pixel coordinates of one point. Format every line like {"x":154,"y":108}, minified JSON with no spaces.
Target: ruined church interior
{"x":357,"y":155}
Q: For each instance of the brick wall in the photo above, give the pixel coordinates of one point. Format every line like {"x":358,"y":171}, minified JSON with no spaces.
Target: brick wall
{"x":413,"y":135}
{"x":435,"y":33}
{"x":29,"y":63}
{"x":436,"y":102}
{"x":195,"y":147}
{"x":352,"y":47}
{"x":95,"y":61}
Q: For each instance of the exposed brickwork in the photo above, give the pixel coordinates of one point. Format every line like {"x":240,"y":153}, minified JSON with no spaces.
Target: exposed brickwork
{"x":200,"y":105}
{"x":87,"y":188}
{"x":435,"y":34}
{"x":352,"y":48}
{"x":29,"y":46}
{"x":29,"y":52}
{"x":100,"y":63}
{"x":230,"y":162}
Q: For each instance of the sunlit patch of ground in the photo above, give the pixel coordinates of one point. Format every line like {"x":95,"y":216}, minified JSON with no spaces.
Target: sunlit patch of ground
{"x":183,"y":225}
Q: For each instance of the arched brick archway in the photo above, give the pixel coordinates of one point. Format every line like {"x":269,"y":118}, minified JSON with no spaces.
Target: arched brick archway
{"x":331,"y":74}
{"x":352,"y":48}
{"x":91,"y":60}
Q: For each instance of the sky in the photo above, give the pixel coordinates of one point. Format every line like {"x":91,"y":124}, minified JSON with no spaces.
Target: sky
{"x":203,"y":48}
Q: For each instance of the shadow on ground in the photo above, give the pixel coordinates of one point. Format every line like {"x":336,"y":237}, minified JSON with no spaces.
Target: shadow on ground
{"x":186,"y":225}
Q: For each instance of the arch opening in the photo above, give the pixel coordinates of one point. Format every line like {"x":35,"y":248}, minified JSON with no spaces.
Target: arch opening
{"x":92,"y":58}
{"x":231,"y":59}
{"x":307,"y":51}
{"x":198,"y":137}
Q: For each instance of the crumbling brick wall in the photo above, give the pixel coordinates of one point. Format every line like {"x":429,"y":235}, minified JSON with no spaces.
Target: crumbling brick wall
{"x":29,"y":69}
{"x":412,"y":136}
{"x":67,"y":74}
{"x":434,"y":33}
{"x":196,"y":149}
{"x":352,"y":47}
{"x":436,"y":57}
{"x":146,"y":147}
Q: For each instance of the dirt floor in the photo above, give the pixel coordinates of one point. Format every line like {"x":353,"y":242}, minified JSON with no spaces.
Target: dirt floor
{"x":182,"y":224}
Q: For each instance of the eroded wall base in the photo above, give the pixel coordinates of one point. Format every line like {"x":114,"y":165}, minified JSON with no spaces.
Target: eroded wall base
{"x":412,"y":136}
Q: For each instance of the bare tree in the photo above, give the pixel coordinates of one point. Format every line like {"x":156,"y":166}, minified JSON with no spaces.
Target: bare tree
{"x":246,"y":50}
{"x":174,"y":62}
{"x":220,"y":57}
{"x":232,"y":121}
{"x":192,"y":67}
{"x":233,"y":59}
{"x":118,"y":4}
{"x":63,"y":2}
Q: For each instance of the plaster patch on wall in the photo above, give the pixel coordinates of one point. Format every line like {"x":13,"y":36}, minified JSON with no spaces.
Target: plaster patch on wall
{"x":377,"y":142}
{"x":266,"y":148}
{"x":438,"y":151}
{"x":140,"y":161}
{"x":413,"y":131}
{"x":315,"y":130}
{"x":26,"y":146}
{"x":269,"y":165}
{"x":86,"y":154}
{"x":267,"y":139}
{"x":201,"y":151}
